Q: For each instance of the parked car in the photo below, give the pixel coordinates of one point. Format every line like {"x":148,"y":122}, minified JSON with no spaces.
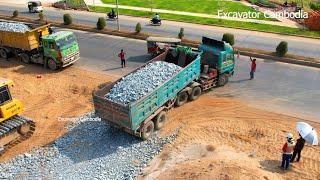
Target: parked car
{"x":35,"y":6}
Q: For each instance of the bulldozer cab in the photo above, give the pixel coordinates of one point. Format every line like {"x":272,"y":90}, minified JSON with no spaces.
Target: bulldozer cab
{"x":9,"y":106}
{"x":5,"y":95}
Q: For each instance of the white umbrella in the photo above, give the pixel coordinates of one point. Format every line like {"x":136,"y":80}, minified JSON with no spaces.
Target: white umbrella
{"x":307,"y":132}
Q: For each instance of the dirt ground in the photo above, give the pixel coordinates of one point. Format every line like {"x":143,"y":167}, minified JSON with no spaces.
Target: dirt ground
{"x":225,"y":139}
{"x":51,"y":101}
{"x":219,"y":138}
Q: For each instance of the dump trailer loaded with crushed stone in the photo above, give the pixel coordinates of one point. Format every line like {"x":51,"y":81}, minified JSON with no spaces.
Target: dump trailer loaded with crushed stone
{"x":137,"y":103}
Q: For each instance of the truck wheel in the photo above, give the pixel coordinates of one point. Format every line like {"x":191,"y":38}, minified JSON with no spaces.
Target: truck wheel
{"x":52,"y":64}
{"x":182,"y":98}
{"x":4,"y":54}
{"x":25,"y":58}
{"x":196,"y":92}
{"x":147,"y":130}
{"x":223,"y":80}
{"x":160,"y":120}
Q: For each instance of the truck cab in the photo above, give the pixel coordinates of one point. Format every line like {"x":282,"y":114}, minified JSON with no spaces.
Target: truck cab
{"x":217,"y":60}
{"x":60,"y":49}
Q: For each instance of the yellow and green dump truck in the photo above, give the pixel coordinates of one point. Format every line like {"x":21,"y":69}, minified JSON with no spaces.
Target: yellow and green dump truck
{"x":39,"y":45}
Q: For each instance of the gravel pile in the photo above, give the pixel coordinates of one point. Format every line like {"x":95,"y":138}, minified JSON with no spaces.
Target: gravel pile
{"x":14,"y":27}
{"x":136,"y":85}
{"x":91,"y":150}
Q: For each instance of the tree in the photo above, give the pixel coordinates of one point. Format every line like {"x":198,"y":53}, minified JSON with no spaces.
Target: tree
{"x":282,"y":48}
{"x":229,"y":38}
{"x":138,"y":28}
{"x":15,"y":13}
{"x":67,"y":19}
{"x":101,"y":23}
{"x":181,"y":33}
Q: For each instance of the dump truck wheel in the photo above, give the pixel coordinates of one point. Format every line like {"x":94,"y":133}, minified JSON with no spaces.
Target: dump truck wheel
{"x":52,"y":64}
{"x":223,"y":80}
{"x":4,"y":54}
{"x":196,"y":92}
{"x":160,"y":120}
{"x":25,"y":58}
{"x":147,"y":130}
{"x":182,"y":98}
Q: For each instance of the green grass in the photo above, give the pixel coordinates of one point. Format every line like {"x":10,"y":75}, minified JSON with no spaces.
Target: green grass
{"x":218,"y":22}
{"x":195,"y":6}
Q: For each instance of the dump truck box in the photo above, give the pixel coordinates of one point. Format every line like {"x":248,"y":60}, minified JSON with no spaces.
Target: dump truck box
{"x":129,"y":118}
{"x":28,"y":40}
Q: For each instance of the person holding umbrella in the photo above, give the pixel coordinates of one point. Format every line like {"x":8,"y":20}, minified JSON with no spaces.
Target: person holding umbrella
{"x":287,"y":150}
{"x":298,"y":148}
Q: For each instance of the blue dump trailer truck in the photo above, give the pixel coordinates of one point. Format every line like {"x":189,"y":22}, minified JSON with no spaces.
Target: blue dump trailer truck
{"x":202,"y":69}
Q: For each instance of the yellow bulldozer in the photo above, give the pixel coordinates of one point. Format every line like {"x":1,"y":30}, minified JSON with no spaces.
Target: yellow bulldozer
{"x":13,"y":127}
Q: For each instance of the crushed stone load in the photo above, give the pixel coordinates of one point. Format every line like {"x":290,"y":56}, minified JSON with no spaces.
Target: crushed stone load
{"x":91,"y":149}
{"x":138,"y":84}
{"x":14,"y":27}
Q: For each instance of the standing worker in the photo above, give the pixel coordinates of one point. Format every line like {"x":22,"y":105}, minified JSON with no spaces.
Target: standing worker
{"x":298,"y":148}
{"x":287,"y":150}
{"x":122,"y":58}
{"x":253,"y":68}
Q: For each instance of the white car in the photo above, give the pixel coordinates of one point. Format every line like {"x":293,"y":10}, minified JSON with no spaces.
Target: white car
{"x":35,"y":6}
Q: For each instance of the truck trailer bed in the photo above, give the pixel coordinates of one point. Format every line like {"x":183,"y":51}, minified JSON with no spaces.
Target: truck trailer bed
{"x":130,"y":118}
{"x":28,"y":40}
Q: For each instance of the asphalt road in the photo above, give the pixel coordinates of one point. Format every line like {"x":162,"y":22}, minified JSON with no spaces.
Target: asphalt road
{"x":250,"y":39}
{"x":279,"y":87}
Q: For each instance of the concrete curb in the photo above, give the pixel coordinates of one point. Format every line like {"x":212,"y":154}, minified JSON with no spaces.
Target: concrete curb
{"x":293,"y":59}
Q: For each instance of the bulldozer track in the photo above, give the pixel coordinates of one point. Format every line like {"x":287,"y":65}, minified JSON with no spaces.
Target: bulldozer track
{"x":12,"y":126}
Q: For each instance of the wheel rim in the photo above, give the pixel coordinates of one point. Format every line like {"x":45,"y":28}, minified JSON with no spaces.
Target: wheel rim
{"x":52,"y":65}
{"x":222,"y":80}
{"x":197,"y":92}
{"x":162,"y":119}
{"x":3,"y":54}
{"x":183,"y":97}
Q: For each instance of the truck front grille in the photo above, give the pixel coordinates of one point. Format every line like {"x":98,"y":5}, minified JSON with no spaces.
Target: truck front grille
{"x":71,"y":57}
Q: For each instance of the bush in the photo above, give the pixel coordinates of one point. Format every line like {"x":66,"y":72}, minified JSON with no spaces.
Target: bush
{"x":41,"y":16}
{"x":282,"y":48}
{"x":264,"y":3}
{"x":315,"y":6}
{"x":181,"y":33}
{"x":138,"y":28}
{"x":229,"y":38}
{"x":15,"y":13}
{"x":101,"y":23}
{"x":67,"y":19}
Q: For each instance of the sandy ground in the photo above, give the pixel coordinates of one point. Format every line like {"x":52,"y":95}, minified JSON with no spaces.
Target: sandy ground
{"x":219,"y":138}
{"x":225,"y":139}
{"x":51,"y":101}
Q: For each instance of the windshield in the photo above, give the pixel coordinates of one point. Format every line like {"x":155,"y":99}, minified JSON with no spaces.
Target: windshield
{"x":4,"y":95}
{"x":66,"y":41}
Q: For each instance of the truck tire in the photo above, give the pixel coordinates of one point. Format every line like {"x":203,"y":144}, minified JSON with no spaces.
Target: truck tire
{"x":182,"y":98}
{"x":223,"y":80}
{"x":196,"y":92}
{"x":147,"y":130}
{"x":160,"y":120}
{"x":4,"y":54}
{"x":25,"y":58}
{"x":52,"y":65}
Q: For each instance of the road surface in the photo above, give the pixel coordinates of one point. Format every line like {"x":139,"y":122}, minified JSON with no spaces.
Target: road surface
{"x":279,"y":87}
{"x":244,"y":38}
